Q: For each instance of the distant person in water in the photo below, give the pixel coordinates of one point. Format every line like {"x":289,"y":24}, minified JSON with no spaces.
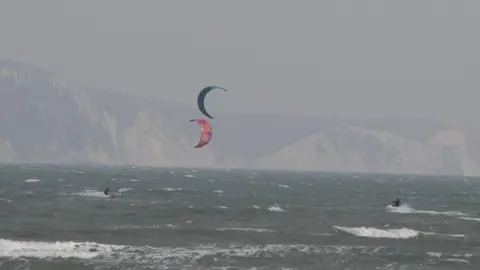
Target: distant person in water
{"x":106,"y":191}
{"x":396,"y":203}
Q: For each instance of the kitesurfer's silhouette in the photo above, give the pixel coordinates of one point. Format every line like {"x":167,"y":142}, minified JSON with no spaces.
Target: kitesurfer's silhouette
{"x":396,"y":203}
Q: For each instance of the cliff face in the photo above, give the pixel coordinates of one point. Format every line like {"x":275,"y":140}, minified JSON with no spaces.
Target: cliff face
{"x":360,"y":149}
{"x":47,"y":118}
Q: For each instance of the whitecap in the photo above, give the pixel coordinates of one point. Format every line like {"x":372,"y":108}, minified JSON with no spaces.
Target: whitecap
{"x":470,"y":218}
{"x":258,"y":230}
{"x":403,"y":233}
{"x":43,"y":250}
{"x":457,"y":260}
{"x":275,"y":208}
{"x":172,"y":189}
{"x":434,"y":254}
{"x":145,"y":257}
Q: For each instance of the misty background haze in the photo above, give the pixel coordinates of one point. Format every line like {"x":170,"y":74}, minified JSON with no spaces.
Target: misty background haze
{"x":364,"y":59}
{"x":369,"y":86}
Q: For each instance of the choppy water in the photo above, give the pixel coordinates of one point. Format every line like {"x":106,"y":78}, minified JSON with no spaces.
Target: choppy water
{"x":56,"y":217}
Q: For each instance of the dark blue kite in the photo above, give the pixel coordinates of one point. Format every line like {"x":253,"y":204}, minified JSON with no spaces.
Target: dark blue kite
{"x":201,"y":99}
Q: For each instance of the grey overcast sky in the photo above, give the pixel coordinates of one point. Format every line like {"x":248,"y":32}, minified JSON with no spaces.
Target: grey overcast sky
{"x":332,"y":58}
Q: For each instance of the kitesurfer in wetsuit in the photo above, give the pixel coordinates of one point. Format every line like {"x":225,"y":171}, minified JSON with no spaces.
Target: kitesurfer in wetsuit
{"x":106,"y":191}
{"x":396,"y":203}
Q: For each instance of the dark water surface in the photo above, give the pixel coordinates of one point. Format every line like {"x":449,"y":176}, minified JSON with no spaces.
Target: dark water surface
{"x":56,"y":217}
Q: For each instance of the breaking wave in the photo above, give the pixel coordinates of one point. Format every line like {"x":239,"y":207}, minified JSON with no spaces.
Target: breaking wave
{"x":275,"y":208}
{"x":148,"y":257}
{"x":402,"y":233}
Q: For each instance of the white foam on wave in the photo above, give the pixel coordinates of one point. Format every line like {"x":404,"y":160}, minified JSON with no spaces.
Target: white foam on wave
{"x":188,"y":176}
{"x":43,"y":250}
{"x":434,"y":254}
{"x":440,"y":254}
{"x":403,"y":233}
{"x":32,"y":180}
{"x":124,"y":189}
{"x":91,"y":193}
{"x":147,"y":257}
{"x":442,"y":234}
{"x":275,"y":208}
{"x":130,"y":227}
{"x":456,"y":260}
{"x":405,"y":209}
{"x":450,"y":257}
{"x":172,"y":189}
{"x":470,"y":218}
{"x":283,"y":186}
{"x":258,"y":230}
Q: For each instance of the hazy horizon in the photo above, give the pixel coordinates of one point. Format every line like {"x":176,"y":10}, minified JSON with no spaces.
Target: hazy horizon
{"x":373,"y":59}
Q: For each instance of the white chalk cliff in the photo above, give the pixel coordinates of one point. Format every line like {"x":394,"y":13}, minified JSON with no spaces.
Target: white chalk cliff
{"x":47,"y":118}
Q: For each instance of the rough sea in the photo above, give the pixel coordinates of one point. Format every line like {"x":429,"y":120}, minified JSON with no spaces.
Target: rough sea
{"x":56,"y":217}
